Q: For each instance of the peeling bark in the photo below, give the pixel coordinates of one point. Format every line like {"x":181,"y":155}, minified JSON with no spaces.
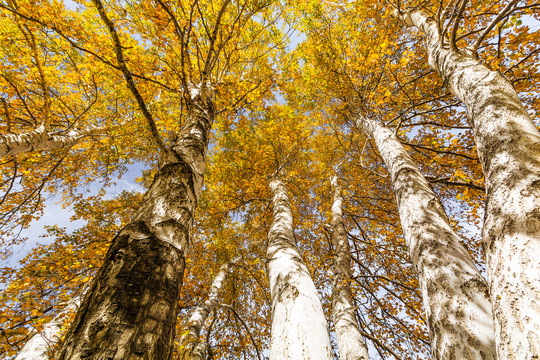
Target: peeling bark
{"x":299,"y":328}
{"x":130,"y":309}
{"x":40,"y":139}
{"x":351,"y":343}
{"x":39,"y":345}
{"x":454,"y":293}
{"x":508,"y":146}
{"x":190,"y":346}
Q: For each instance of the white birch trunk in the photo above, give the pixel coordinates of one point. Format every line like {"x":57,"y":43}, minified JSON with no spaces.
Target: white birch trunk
{"x":39,"y":345}
{"x":508,"y":146}
{"x":131,"y":306}
{"x":351,"y":343}
{"x":299,"y":328}
{"x":454,"y":293}
{"x":190,"y":346}
{"x":40,"y":139}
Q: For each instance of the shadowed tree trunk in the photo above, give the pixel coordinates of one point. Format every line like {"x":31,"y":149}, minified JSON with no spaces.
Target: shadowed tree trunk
{"x":351,"y":343}
{"x":190,"y":346}
{"x":455,"y":295}
{"x":299,"y":328}
{"x":129,"y":312}
{"x":508,"y":146}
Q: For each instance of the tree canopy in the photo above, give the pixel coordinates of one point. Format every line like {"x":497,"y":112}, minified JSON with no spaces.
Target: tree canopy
{"x":97,"y":91}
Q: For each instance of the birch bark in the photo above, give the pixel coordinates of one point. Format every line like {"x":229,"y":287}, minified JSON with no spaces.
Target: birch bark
{"x":130,"y":309}
{"x":508,"y":146}
{"x":299,"y":328}
{"x":351,"y":343}
{"x":454,"y":293}
{"x":40,"y":139}
{"x":39,"y":345}
{"x":190,"y":346}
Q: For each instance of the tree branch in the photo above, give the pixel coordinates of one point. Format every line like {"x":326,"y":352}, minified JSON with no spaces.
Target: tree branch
{"x":129,"y":78}
{"x":504,"y":13}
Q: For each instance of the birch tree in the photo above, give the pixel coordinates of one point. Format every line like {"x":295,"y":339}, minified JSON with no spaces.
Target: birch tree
{"x":190,"y":345}
{"x":351,"y":343}
{"x":299,"y":328}
{"x":146,"y":258}
{"x":508,"y":146}
{"x":456,"y":296}
{"x":39,"y":139}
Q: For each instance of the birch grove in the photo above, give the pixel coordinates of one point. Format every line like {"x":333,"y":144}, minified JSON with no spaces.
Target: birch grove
{"x":430,"y":108}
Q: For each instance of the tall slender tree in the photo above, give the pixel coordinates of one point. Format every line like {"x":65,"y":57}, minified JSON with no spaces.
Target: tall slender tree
{"x":39,"y":346}
{"x":351,"y":343}
{"x":191,"y":348}
{"x":299,"y":328}
{"x":456,"y":296}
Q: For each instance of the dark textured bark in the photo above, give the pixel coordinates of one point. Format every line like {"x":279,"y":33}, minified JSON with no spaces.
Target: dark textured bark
{"x":130,"y":310}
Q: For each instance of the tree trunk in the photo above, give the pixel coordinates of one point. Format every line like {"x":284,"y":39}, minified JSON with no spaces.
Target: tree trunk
{"x":130,"y":309}
{"x":508,"y":146}
{"x":455,"y":295}
{"x":299,"y":328}
{"x":40,"y":344}
{"x":40,"y":139}
{"x":350,"y":341}
{"x":190,"y":346}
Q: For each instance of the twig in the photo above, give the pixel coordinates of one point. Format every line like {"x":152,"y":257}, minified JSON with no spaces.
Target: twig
{"x":245,"y":326}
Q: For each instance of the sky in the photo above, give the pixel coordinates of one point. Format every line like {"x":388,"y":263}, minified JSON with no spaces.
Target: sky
{"x":55,"y":214}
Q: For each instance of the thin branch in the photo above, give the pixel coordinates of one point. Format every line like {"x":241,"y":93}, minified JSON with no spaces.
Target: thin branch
{"x":376,"y":341}
{"x":128,"y":76}
{"x":504,"y":13}
{"x":522,"y":60}
{"x":208,"y":60}
{"x":437,"y":150}
{"x":456,"y":25}
{"x":245,"y":326}
{"x":447,"y":181}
